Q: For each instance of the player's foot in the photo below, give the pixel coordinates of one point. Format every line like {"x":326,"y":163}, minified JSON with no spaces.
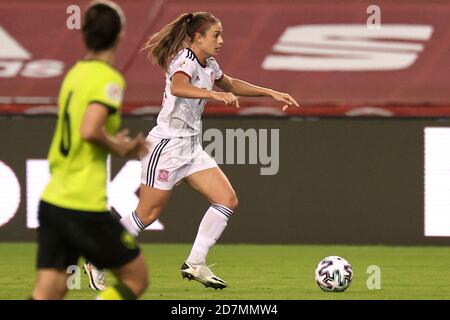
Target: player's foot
{"x":96,"y":277}
{"x":202,"y":274}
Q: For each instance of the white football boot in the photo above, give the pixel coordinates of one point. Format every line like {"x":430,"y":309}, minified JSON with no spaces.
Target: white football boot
{"x":202,"y":274}
{"x":96,"y":277}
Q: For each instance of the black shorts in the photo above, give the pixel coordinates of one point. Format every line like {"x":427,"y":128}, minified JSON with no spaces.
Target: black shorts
{"x":64,"y":235}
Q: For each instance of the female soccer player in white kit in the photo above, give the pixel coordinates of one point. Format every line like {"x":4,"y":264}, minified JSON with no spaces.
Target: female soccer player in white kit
{"x":184,"y":50}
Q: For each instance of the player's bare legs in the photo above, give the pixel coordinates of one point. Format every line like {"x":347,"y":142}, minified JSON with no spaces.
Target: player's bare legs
{"x":51,"y":284}
{"x":134,"y":275}
{"x":214,"y":185}
{"x":151,"y":203}
{"x":133,"y":281}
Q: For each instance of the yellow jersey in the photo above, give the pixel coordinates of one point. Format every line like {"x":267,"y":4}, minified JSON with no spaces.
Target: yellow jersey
{"x":78,"y":168}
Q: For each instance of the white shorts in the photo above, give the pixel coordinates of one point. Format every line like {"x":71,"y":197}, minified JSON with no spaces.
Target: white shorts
{"x":171,"y":160}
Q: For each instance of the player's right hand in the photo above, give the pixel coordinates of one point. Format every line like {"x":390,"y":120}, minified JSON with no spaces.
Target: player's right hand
{"x":140,"y":148}
{"x":226,"y":97}
{"x":131,"y":147}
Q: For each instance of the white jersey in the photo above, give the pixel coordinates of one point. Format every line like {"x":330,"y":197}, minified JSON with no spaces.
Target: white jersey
{"x":181,"y":117}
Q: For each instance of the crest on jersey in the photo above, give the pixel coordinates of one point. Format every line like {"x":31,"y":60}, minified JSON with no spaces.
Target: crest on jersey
{"x":163,"y":175}
{"x":114,"y":92}
{"x":181,"y":65}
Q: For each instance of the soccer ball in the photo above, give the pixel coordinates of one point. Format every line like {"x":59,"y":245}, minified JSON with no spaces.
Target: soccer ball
{"x":334,"y":274}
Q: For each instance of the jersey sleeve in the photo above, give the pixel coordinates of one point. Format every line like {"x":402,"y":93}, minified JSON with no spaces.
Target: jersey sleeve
{"x":218,"y":73}
{"x":185,"y":66}
{"x":109,"y":93}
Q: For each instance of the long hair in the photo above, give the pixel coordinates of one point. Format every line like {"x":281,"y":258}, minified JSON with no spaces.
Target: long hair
{"x":165,"y":44}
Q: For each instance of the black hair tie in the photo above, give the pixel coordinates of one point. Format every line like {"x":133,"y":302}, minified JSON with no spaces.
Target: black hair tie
{"x":189,"y":17}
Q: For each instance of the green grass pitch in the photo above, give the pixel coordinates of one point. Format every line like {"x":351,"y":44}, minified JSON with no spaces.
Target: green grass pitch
{"x":263,"y":272}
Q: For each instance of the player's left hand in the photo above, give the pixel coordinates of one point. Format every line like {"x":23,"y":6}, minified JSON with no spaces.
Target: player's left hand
{"x":284,"y":97}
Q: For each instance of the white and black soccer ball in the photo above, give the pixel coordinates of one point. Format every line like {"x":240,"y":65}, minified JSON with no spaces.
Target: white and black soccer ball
{"x":334,"y":274}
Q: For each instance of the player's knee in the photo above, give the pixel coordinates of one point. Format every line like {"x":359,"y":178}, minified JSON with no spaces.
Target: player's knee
{"x":231,"y":201}
{"x":142,"y":284}
{"x":139,"y":279}
{"x":138,"y":285}
{"x":234,"y":202}
{"x":145,"y":283}
{"x":150,"y":214}
{"x":155,"y":212}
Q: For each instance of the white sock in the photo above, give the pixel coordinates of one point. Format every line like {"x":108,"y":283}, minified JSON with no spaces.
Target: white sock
{"x":133,"y":224}
{"x":213,"y":223}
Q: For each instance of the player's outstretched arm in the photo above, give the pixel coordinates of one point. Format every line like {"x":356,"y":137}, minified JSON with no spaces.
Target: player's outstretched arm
{"x":181,"y":87}
{"x":244,"y":88}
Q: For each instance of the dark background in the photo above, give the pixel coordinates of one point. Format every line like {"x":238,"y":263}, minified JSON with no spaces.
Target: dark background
{"x":343,"y":181}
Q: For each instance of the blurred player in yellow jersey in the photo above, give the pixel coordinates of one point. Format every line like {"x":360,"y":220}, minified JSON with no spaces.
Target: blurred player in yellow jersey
{"x":73,"y":216}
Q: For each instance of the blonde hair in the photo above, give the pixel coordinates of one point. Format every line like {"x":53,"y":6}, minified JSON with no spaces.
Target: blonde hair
{"x":165,"y":44}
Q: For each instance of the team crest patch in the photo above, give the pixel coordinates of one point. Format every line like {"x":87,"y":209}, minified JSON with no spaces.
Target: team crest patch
{"x":128,"y":240}
{"x":114,"y":92}
{"x":163,"y":175}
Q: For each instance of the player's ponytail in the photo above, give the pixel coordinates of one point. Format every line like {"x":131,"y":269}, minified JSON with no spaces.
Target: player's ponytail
{"x":165,"y":44}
